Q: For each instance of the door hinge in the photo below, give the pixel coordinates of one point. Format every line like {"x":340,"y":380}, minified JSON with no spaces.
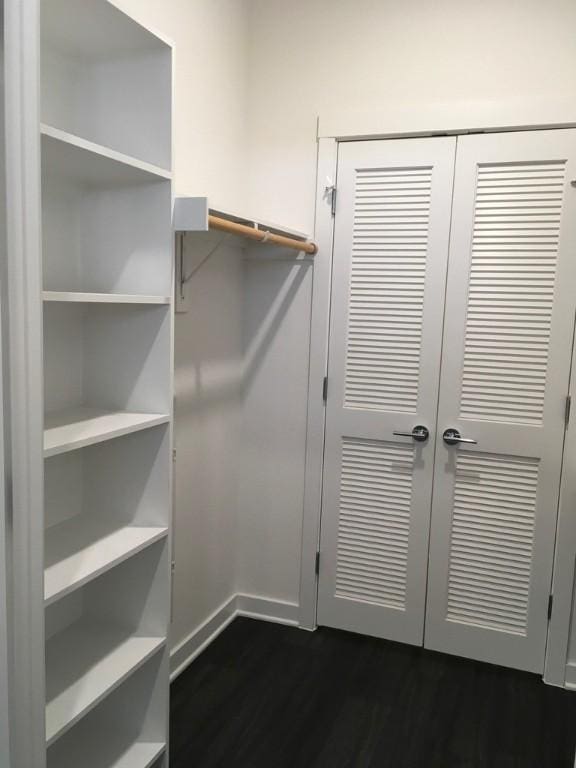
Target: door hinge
{"x":550,"y":605}
{"x":317,"y":564}
{"x":567,"y":409}
{"x":333,"y":193}
{"x":325,"y":389}
{"x":174,"y":454}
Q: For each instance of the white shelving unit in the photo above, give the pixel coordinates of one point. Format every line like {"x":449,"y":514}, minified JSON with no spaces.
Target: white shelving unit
{"x":105,"y":139}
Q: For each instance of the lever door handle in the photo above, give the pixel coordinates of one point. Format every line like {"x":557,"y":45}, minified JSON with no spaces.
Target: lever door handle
{"x":451,"y":436}
{"x":419,"y":433}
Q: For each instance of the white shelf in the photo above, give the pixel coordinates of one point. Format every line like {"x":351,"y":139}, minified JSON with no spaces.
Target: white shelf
{"x":84,"y":664}
{"x":90,"y":163}
{"x":102,"y":298}
{"x":138,"y":755}
{"x":191,"y":215}
{"x":258,"y":223}
{"x":109,"y":750}
{"x":81,"y":549}
{"x":79,"y":427}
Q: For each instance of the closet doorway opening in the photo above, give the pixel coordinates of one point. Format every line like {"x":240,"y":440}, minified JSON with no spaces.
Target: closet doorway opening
{"x":450,"y":344}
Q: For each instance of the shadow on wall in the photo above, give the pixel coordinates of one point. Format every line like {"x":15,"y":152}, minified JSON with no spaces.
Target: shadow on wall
{"x":284,"y":278}
{"x":208,"y":337}
{"x":208,"y":369}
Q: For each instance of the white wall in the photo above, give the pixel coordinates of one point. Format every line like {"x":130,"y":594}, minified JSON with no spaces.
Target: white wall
{"x":208,"y":353}
{"x":340,"y":57}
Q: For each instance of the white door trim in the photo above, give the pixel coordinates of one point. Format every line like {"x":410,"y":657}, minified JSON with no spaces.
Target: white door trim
{"x":319,"y":326}
{"x":448,"y":117}
{"x":4,"y":663}
{"x":564,"y":580}
{"x":4,"y":657}
{"x":329,"y":134}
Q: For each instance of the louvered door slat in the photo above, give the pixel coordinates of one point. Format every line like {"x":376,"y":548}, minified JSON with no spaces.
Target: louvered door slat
{"x":378,"y":279}
{"x":492,"y":538}
{"x":391,"y":243}
{"x":516,"y":403}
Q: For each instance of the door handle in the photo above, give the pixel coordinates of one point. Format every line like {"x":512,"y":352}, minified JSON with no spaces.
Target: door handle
{"x":451,"y":436}
{"x":419,"y":433}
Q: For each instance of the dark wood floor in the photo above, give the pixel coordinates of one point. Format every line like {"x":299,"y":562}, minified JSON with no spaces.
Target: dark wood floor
{"x":268,"y":696}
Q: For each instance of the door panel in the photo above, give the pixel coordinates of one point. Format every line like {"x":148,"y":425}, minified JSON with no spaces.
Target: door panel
{"x":390,"y":255}
{"x":505,"y":367}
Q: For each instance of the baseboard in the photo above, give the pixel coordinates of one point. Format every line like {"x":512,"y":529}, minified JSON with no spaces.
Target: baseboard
{"x":193,"y":645}
{"x":278,"y":611}
{"x":251,"y":606}
{"x":571,"y":676}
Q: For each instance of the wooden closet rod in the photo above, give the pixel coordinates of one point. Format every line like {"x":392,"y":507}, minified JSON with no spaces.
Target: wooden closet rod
{"x":234,"y":228}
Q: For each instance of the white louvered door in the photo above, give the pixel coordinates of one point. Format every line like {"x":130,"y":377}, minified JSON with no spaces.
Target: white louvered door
{"x":390,"y":255}
{"x":505,"y":367}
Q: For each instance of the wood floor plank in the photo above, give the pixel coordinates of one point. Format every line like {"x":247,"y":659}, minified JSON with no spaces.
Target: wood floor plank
{"x":268,"y":696}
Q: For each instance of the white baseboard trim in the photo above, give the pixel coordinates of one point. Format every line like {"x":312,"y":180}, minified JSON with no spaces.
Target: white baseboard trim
{"x":250,"y":606}
{"x":193,"y":645}
{"x":571,"y":676}
{"x":278,"y":611}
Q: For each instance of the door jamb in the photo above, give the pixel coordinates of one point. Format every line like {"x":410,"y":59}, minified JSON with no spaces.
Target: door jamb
{"x":563,"y":616}
{"x":319,"y":331}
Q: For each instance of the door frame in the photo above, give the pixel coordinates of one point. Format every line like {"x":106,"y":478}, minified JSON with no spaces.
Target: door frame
{"x":318,"y":368}
{"x":4,"y":573}
{"x":557,"y":671}
{"x":404,"y":125}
